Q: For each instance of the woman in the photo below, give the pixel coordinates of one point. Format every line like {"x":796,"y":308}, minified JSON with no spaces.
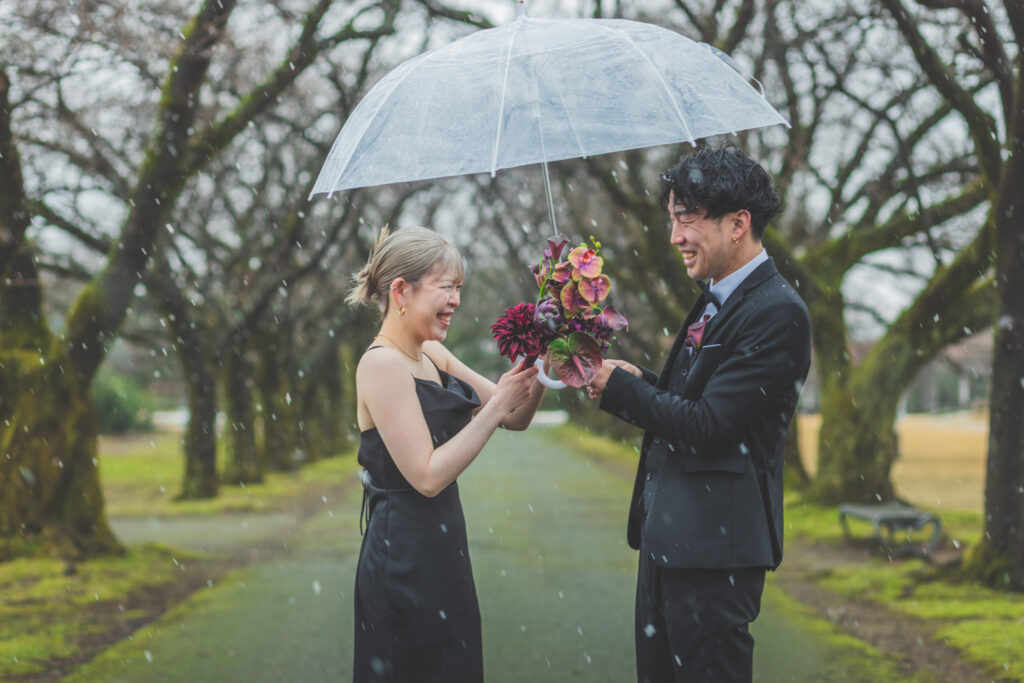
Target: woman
{"x":424,"y":417}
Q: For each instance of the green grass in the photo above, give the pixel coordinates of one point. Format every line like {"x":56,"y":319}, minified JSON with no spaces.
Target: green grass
{"x":851,"y":658}
{"x":48,"y":614}
{"x":141,"y":476}
{"x":987,"y":641}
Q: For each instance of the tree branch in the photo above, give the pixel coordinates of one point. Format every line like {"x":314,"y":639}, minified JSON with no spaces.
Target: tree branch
{"x":436,"y":9}
{"x":102,"y":305}
{"x":980,"y":124}
{"x":844,"y":251}
{"x":1015,"y":11}
{"x":43,"y":210}
{"x":211,"y":141}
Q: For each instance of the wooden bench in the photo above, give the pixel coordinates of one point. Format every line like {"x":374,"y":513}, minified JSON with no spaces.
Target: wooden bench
{"x":891,"y":518}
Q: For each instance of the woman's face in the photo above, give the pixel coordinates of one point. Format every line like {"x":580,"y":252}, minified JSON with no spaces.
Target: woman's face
{"x":430,"y":304}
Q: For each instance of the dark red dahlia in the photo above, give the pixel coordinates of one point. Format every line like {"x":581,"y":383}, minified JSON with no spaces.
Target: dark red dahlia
{"x":517,"y":334}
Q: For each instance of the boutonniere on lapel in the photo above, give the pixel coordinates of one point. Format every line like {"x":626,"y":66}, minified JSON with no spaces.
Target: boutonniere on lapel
{"x":695,"y":334}
{"x":568,"y":327}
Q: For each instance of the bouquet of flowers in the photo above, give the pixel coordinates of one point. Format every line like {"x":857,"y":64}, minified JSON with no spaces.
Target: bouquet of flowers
{"x":568,"y":323}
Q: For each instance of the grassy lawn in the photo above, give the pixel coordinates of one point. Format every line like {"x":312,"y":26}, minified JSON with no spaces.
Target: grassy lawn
{"x":941,"y":469}
{"x":54,"y":613}
{"x":141,"y":476}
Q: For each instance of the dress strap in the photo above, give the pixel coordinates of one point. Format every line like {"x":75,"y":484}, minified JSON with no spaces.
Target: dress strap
{"x":432,"y":362}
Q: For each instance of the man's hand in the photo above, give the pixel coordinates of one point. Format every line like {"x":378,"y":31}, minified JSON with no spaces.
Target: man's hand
{"x":597,"y":385}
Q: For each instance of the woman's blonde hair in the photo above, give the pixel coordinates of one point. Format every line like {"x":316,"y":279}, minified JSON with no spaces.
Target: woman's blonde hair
{"x":411,"y":254}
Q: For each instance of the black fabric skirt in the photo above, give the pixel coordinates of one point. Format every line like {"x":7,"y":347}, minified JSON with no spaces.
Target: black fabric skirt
{"x":416,"y":611}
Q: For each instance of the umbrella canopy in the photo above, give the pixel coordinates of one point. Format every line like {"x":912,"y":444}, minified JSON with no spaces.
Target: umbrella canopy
{"x":535,"y":91}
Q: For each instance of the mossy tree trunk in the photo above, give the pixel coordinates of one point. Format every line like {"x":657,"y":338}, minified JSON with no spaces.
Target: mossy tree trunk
{"x":281,"y":417}
{"x":996,"y":129}
{"x":197,"y":354}
{"x":999,"y":558}
{"x":50,"y":496}
{"x":334,"y":407}
{"x":244,"y":462}
{"x":794,"y":472}
{"x":858,"y":443}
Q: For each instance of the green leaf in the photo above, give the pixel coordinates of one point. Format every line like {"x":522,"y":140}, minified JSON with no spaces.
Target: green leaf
{"x":577,"y":360}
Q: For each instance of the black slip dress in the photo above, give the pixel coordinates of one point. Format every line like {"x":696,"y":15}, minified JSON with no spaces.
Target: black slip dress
{"x":416,"y":612}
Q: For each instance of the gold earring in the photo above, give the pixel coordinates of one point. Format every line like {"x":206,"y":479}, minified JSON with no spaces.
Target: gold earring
{"x":735,"y":239}
{"x":401,"y":311}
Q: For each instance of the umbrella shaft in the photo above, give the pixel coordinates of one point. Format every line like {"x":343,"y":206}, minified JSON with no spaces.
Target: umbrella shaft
{"x":551,"y":202}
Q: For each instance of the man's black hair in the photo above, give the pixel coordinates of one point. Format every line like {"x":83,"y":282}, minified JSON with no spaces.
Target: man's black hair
{"x":720,"y":181}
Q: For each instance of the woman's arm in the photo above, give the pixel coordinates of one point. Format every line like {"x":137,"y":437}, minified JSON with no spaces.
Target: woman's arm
{"x":517,"y":421}
{"x":387,"y":390}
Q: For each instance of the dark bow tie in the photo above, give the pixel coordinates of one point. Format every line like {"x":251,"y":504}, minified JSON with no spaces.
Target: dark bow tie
{"x":706,"y":288}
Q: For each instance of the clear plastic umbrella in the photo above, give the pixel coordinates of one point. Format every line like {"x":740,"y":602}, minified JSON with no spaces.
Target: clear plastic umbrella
{"x":536,"y":91}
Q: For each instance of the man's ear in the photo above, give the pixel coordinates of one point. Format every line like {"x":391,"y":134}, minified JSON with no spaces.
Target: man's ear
{"x":740,"y":224}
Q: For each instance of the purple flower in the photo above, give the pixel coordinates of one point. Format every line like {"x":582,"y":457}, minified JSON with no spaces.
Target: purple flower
{"x":547,"y":315}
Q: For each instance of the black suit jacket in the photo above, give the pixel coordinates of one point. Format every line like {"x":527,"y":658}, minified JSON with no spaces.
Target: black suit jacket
{"x":720,"y":424}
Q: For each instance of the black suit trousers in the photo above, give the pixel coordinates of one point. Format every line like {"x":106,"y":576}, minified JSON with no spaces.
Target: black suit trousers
{"x":692,"y":624}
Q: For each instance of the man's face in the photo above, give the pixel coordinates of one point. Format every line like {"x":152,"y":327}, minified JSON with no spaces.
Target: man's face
{"x":705,"y":244}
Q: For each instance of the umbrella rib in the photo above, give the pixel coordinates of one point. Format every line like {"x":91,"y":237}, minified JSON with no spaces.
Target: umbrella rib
{"x":572,"y":126}
{"x":341,"y":169}
{"x":501,"y":106}
{"x":654,"y":69}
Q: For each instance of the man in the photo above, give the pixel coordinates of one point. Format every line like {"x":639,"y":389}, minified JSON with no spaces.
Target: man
{"x":706,"y":513}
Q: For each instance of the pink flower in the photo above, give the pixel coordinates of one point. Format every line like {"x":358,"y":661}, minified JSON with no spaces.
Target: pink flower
{"x":572,"y":300}
{"x":595,"y":290}
{"x":562,"y":272}
{"x":540,"y":272}
{"x":586,"y":262}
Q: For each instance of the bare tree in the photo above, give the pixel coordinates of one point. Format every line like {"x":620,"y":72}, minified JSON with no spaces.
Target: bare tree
{"x":51,"y":492}
{"x":958,"y":44}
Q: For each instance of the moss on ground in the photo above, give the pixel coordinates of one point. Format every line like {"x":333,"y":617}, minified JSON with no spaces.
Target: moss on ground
{"x":49,"y":609}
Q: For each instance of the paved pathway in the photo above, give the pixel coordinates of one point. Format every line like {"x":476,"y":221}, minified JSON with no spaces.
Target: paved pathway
{"x":554,"y":576}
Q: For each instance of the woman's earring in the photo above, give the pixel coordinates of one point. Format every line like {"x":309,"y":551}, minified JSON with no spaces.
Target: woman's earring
{"x":735,"y":239}
{"x":401,"y":311}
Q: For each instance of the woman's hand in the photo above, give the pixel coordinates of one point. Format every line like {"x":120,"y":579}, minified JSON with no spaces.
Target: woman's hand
{"x":514,"y":387}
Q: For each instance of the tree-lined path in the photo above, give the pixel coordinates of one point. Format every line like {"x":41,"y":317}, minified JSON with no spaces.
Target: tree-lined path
{"x":554,"y":575}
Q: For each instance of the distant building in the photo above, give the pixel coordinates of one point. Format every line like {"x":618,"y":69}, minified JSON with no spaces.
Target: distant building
{"x":956,"y":379}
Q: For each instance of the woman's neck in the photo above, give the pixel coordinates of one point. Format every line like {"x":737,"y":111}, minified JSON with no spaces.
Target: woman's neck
{"x":400,"y":338}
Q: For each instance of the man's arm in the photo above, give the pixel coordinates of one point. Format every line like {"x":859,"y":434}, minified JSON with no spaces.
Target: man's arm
{"x":770,"y":355}
{"x":608,"y":365}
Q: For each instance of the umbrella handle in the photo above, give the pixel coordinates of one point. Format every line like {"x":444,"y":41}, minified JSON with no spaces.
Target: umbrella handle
{"x":543,"y":378}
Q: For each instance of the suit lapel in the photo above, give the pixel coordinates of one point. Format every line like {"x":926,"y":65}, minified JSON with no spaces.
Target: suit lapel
{"x":752,"y":281}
